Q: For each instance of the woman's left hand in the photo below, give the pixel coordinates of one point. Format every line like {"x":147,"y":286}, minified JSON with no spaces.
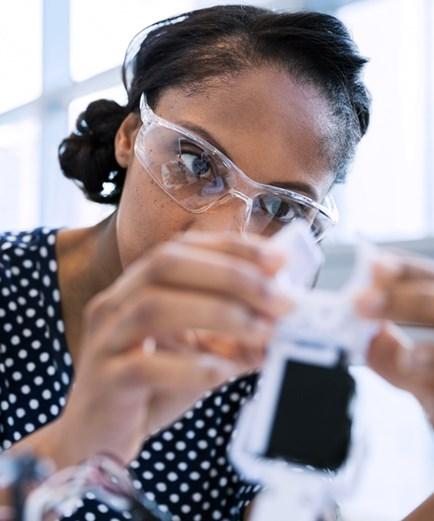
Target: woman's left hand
{"x":403,"y":291}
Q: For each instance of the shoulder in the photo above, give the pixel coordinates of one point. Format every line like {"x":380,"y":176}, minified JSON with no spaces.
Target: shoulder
{"x":21,"y":249}
{"x":26,"y":258}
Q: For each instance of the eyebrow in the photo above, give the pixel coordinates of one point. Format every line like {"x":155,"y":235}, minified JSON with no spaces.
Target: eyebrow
{"x":205,"y":135}
{"x":295,"y":186}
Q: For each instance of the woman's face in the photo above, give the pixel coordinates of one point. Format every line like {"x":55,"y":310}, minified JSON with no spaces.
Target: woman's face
{"x":271,"y":126}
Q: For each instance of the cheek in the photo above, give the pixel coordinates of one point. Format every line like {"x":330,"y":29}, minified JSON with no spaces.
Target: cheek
{"x":146,"y":216}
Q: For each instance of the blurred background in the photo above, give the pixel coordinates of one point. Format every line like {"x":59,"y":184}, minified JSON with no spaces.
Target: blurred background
{"x":58,"y":55}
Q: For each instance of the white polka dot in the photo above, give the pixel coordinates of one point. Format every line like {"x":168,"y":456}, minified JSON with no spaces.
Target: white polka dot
{"x":174,"y":498}
{"x":44,"y":357}
{"x":89,"y":516}
{"x":150,"y":496}
{"x":40,"y":322}
{"x":172,"y":476}
{"x":180,"y":445}
{"x":20,"y":412}
{"x":191,"y":454}
{"x":159,"y":465}
{"x":161,"y":487}
{"x":103,"y":508}
{"x":157,"y":445}
{"x":182,"y":465}
{"x":29,"y":427}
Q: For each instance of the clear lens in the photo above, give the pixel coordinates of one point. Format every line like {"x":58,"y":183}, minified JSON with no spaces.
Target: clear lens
{"x":194,"y":177}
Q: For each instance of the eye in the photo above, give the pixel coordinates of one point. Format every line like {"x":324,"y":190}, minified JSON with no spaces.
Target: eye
{"x":282,"y":209}
{"x":197,"y":164}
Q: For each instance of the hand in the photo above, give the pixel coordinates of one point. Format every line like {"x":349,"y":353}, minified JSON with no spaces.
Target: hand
{"x":403,"y":290}
{"x":221,"y":284}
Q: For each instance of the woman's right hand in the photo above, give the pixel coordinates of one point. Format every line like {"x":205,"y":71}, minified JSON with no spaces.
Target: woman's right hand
{"x":220,"y":283}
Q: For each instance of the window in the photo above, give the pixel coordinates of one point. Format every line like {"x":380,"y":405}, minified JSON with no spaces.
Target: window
{"x":389,"y":193}
{"x":20,"y":52}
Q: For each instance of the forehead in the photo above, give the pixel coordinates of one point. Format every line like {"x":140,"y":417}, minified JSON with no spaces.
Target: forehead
{"x":273,"y":127}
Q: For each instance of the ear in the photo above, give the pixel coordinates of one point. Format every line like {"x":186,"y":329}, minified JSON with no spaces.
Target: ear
{"x":125,"y":138}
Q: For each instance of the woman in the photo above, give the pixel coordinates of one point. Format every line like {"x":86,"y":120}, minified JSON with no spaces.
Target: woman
{"x":247,"y":119}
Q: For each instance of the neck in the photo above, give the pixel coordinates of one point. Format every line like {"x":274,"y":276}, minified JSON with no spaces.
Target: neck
{"x":88,"y":262}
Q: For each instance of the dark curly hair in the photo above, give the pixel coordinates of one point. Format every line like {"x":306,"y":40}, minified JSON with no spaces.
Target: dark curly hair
{"x":190,"y":49}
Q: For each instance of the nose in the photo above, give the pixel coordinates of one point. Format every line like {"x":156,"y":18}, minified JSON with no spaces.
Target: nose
{"x":231,"y":214}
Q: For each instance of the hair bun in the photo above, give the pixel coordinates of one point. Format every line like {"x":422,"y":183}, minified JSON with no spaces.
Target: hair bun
{"x":87,"y":155}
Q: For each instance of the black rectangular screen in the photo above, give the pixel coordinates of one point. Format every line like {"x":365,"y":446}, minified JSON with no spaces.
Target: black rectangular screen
{"x":312,"y":422}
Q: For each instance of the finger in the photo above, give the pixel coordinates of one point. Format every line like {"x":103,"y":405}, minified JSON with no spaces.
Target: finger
{"x":422,"y":356}
{"x":395,"y":358}
{"x":253,"y":248}
{"x":391,"y":268}
{"x":163,"y":311}
{"x":219,"y":273}
{"x":410,"y":302}
{"x":180,"y":266}
{"x":388,"y":356}
{"x":168,"y":371}
{"x":232,"y":348}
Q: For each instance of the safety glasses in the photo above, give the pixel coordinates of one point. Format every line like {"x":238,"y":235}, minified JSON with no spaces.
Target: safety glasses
{"x":198,"y":177}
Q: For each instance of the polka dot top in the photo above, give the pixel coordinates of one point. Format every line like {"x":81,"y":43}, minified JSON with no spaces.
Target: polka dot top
{"x":183,"y":468}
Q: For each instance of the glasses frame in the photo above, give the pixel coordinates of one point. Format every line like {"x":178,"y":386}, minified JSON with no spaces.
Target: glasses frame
{"x":253,"y":188}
